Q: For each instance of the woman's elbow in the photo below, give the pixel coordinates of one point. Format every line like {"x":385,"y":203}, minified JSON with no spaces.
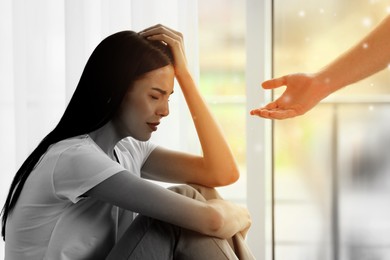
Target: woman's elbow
{"x":228,"y":176}
{"x":235,"y":175}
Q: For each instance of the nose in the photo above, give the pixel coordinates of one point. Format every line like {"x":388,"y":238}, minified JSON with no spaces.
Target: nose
{"x":163,"y":109}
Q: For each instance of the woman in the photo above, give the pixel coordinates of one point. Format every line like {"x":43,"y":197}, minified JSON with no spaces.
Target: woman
{"x":74,"y":196}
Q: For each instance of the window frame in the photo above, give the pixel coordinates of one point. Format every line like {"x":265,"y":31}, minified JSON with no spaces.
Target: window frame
{"x":259,"y":35}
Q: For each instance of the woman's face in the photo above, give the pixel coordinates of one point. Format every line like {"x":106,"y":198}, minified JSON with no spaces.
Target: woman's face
{"x":145,"y":104}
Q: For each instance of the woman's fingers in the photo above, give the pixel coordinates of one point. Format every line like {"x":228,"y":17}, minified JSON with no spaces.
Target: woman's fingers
{"x":165,"y":34}
{"x":161,"y":29}
{"x":176,"y":46}
{"x":172,"y":38}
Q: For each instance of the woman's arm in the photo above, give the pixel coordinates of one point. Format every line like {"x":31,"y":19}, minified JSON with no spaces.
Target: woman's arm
{"x":214,"y":217}
{"x":304,"y":91}
{"x":217,"y":166}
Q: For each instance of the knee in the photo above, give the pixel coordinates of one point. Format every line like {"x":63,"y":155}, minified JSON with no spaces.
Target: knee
{"x":188,"y":191}
{"x":196,"y":192}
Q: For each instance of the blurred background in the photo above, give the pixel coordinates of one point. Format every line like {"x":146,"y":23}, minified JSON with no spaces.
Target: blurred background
{"x":331,"y":166}
{"x":320,"y":191}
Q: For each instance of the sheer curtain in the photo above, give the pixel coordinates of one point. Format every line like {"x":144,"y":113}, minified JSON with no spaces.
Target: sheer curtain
{"x":43,"y":48}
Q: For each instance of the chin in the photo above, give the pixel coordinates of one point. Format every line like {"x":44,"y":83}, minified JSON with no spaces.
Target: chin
{"x":143,"y":138}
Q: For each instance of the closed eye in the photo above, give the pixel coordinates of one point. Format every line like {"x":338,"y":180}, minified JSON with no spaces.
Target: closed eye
{"x":160,"y":93}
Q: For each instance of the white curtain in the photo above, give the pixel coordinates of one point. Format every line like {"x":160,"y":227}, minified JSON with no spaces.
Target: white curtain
{"x":44,"y":45}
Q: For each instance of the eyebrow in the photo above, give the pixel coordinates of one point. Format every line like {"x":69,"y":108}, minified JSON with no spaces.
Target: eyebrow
{"x":162,"y":91}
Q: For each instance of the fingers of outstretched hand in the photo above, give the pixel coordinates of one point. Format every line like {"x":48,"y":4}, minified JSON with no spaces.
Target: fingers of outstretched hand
{"x":274,"y":114}
{"x":269,"y":106}
{"x":274,"y":83}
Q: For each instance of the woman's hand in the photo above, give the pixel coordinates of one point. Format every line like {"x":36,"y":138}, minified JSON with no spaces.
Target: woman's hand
{"x":236,"y":219}
{"x":175,"y":41}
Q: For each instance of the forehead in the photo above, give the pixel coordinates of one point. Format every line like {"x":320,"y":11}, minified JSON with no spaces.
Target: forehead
{"x":162,"y":78}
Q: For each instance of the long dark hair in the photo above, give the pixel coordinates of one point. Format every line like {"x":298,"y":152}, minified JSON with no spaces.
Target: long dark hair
{"x":112,"y":67}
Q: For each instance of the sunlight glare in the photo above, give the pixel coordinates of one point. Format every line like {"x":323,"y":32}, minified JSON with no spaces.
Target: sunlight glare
{"x":367,"y":22}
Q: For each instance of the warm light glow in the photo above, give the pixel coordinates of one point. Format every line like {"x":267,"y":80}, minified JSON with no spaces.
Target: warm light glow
{"x":367,"y":22}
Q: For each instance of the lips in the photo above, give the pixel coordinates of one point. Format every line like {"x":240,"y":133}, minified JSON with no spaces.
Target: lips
{"x":153,"y":126}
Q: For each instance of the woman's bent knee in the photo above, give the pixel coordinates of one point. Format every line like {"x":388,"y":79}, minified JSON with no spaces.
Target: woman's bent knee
{"x":196,"y":192}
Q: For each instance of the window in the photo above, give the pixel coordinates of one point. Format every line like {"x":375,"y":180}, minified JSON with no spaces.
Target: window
{"x":222,"y":76}
{"x":331,"y":166}
{"x":234,"y":57}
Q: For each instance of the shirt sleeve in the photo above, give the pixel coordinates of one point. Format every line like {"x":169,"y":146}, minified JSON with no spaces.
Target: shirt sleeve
{"x":81,"y":168}
{"x":138,"y":150}
{"x":147,"y":148}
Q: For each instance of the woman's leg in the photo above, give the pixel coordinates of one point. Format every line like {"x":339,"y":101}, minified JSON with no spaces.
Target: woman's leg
{"x":237,"y":242}
{"x":148,"y":238}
